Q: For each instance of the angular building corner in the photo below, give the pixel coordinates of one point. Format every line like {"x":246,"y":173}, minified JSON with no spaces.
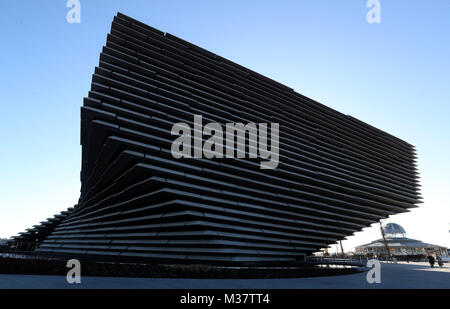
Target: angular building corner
{"x":336,"y":174}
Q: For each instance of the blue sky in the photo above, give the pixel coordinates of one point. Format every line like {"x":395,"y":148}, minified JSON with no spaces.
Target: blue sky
{"x":394,"y":75}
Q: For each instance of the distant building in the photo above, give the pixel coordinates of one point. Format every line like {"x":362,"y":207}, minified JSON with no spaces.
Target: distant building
{"x":399,"y":244}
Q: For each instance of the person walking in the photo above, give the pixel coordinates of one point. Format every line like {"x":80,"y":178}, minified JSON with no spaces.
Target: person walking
{"x":430,"y":260}
{"x":439,"y":260}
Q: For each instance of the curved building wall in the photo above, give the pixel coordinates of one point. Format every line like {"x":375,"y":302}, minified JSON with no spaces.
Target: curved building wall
{"x":335,"y":175}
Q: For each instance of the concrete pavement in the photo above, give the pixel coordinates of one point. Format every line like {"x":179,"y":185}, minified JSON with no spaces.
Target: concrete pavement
{"x":393,"y":276}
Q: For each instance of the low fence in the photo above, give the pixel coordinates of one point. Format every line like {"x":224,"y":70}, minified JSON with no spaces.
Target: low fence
{"x":353,"y":261}
{"x":21,"y":246}
{"x":331,"y":261}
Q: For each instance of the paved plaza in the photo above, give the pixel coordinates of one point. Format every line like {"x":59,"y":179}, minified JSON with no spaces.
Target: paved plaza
{"x":393,"y":276}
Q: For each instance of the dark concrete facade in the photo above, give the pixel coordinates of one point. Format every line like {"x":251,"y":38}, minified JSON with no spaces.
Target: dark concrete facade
{"x":336,"y":174}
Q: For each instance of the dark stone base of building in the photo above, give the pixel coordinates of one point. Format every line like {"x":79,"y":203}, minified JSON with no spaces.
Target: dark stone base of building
{"x":37,"y":265}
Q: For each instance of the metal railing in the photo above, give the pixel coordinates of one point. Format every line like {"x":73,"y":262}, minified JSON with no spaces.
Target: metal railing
{"x":22,"y":246}
{"x":332,"y":261}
